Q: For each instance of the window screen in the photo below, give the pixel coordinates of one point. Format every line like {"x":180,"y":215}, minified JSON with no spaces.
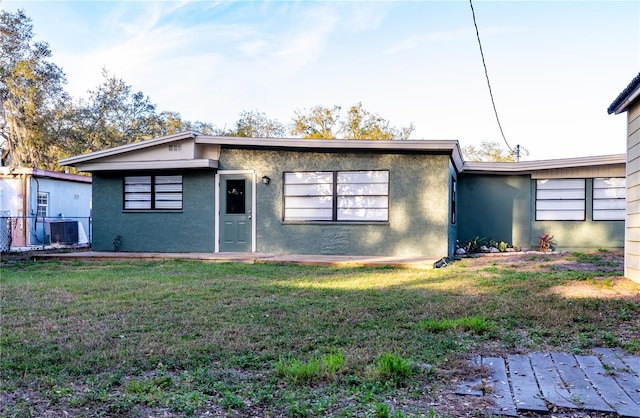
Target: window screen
{"x":609,"y":199}
{"x":336,"y":196}
{"x":560,"y":200}
{"x":153,"y":192}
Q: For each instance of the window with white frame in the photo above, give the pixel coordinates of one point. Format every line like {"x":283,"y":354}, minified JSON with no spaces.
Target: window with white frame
{"x":609,"y":199}
{"x":334,"y":196}
{"x":560,"y":200}
{"x":43,"y":205}
{"x":153,"y":192}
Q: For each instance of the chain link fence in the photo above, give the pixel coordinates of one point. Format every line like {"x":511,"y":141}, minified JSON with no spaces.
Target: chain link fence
{"x":17,"y":232}
{"x":6,"y":228}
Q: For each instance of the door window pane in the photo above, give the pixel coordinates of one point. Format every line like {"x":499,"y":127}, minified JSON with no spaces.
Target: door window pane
{"x":236,"y":197}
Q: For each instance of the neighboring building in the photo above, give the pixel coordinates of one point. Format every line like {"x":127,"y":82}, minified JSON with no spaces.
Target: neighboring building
{"x":629,"y":101}
{"x":194,"y":193}
{"x":39,"y":207}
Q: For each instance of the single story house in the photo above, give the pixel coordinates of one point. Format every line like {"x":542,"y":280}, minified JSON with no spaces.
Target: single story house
{"x":196,"y":193}
{"x":40,"y":207}
{"x":629,"y":101}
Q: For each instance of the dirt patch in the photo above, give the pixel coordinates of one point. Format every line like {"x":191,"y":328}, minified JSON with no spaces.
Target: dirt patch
{"x":604,"y":261}
{"x":601,"y":287}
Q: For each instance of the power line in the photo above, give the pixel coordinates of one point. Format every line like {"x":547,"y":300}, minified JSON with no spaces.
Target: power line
{"x":486,"y":74}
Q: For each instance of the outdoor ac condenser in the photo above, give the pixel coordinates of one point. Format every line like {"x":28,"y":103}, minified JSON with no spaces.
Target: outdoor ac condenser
{"x":64,"y":232}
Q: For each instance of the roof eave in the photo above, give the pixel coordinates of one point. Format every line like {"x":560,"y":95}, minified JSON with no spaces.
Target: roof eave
{"x":147,"y":165}
{"x":450,"y":146}
{"x":626,"y":97}
{"x":623,"y":107}
{"x":525,"y":167}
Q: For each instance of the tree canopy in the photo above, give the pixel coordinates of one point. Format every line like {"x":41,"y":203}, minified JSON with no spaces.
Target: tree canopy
{"x":33,"y":98}
{"x":488,"y":151}
{"x":321,"y":122}
{"x":255,"y":124}
{"x":40,"y":123}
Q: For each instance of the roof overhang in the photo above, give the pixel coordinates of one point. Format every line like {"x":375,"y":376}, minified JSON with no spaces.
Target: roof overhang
{"x":45,"y":174}
{"x":629,"y":95}
{"x":528,"y":167}
{"x":147,"y":165}
{"x":443,"y":146}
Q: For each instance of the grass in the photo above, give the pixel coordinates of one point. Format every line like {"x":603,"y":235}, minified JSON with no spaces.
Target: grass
{"x":182,"y":338}
{"x":476,"y":324}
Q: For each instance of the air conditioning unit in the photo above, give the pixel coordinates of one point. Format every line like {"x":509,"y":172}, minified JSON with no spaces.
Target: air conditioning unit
{"x":64,"y":232}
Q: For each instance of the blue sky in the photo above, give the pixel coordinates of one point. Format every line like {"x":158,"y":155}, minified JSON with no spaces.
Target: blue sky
{"x":554,"y":66}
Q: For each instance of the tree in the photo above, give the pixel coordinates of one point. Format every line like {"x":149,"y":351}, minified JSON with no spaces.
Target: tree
{"x":488,"y":151}
{"x":359,"y":123}
{"x":114,"y":115}
{"x":172,"y":122}
{"x":318,"y":123}
{"x":362,"y":124}
{"x":34,"y":101}
{"x":255,"y":124}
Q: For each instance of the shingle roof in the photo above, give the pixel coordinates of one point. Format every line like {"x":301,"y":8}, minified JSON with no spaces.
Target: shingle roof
{"x":617,"y":105}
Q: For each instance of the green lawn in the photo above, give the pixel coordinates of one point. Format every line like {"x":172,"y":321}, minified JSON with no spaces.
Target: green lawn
{"x":192,"y":338}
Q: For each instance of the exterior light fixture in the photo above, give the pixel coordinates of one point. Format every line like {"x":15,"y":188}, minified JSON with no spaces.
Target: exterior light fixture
{"x":266,"y":180}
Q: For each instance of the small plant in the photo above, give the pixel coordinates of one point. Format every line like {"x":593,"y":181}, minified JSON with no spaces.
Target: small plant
{"x":232,"y":401}
{"x":475,"y":324}
{"x":393,"y":368}
{"x":632,"y":345}
{"x":299,"y":372}
{"x":608,"y":369}
{"x":117,"y":243}
{"x":473,"y":246}
{"x":499,"y":245}
{"x":333,"y":364}
{"x":382,"y":410}
{"x":328,"y":366}
{"x":547,"y":242}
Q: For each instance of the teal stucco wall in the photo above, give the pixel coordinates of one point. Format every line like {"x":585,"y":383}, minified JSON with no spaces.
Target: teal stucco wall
{"x":502,"y":207}
{"x":494,"y":207}
{"x":188,"y":230}
{"x":579,"y":235}
{"x":418,"y":204}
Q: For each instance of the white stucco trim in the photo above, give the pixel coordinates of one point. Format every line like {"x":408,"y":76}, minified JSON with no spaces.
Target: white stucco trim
{"x":147,"y":165}
{"x":216,"y":248}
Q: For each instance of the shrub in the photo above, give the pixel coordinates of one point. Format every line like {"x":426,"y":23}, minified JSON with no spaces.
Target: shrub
{"x":547,"y":242}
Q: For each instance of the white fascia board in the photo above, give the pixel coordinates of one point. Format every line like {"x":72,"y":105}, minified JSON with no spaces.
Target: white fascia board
{"x":127,"y":148}
{"x":530,"y":166}
{"x":147,"y":165}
